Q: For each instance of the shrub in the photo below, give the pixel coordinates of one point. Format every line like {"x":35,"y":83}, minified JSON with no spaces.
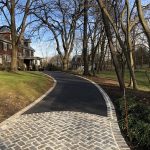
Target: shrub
{"x":138,"y":122}
{"x":52,"y":67}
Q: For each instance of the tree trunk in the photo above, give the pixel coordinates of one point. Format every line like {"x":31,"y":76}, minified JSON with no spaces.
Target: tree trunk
{"x":85,"y":40}
{"x":65,"y":64}
{"x":113,"y":52}
{"x":149,"y":54}
{"x":13,"y":35}
{"x":133,"y":82}
{"x":123,"y":46}
{"x":102,"y":56}
{"x":14,"y":59}
{"x":144,"y":23}
{"x":92,"y":63}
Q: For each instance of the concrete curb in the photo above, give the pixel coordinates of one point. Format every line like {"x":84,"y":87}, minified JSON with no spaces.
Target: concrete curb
{"x":120,"y":142}
{"x":8,"y":121}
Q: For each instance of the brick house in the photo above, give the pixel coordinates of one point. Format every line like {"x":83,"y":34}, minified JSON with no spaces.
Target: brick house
{"x":26,"y":59}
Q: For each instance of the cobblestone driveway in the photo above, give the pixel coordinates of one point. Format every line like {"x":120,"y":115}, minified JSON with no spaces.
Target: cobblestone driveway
{"x":58,"y":131}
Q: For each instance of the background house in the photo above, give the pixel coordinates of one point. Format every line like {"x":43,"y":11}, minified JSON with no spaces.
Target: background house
{"x":77,"y":62}
{"x":26,"y":58}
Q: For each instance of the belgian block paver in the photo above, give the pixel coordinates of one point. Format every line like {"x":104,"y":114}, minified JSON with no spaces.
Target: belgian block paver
{"x":58,"y":131}
{"x":58,"y":123}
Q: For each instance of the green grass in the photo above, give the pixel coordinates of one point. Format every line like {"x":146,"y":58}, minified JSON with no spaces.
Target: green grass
{"x":142,"y":80}
{"x":19,"y":89}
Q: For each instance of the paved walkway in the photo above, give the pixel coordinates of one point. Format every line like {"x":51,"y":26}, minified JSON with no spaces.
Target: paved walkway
{"x":72,"y":117}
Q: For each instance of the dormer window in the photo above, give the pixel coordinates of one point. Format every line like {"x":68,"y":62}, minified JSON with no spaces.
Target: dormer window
{"x":4,"y":46}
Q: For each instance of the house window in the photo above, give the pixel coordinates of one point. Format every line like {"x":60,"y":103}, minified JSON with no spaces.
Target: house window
{"x":19,"y":54}
{"x":1,"y":46}
{"x":1,"y":60}
{"x":9,"y":46}
{"x":32,"y":53}
{"x":4,"y":46}
{"x":8,"y":58}
{"x":24,"y":52}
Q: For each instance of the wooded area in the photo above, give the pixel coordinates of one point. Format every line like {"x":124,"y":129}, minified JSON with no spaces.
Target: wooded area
{"x":103,"y":35}
{"x":119,"y":28}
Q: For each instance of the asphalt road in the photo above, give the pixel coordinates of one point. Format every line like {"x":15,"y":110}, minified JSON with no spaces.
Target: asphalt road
{"x":72,"y":93}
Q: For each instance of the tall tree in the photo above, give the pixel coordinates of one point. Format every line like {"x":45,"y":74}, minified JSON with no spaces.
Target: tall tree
{"x":144,"y":22}
{"x":16,"y":33}
{"x":120,"y":40}
{"x":60,"y":18}
{"x":127,"y":27}
{"x":113,"y":51}
{"x":96,"y":36}
{"x":85,"y":39}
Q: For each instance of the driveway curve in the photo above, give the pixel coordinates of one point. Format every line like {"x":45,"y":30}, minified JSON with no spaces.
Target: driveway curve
{"x":72,"y":117}
{"x":72,"y":93}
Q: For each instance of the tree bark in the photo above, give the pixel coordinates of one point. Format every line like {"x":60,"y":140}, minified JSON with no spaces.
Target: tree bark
{"x":102,"y":55}
{"x":113,"y":52}
{"x":65,"y":64}
{"x":133,"y":82}
{"x":13,"y":35}
{"x":85,"y":39}
{"x":144,"y":23}
{"x":118,"y":36}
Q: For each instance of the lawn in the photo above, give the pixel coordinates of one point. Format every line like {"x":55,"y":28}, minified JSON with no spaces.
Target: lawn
{"x":142,"y":80}
{"x":17,"y":90}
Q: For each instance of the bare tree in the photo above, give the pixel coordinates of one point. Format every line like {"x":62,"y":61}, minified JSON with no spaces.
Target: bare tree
{"x":60,"y":18}
{"x":113,"y":52}
{"x":127,"y":26}
{"x":96,"y":35}
{"x":85,"y":39}
{"x":144,"y":22}
{"x":16,"y":33}
{"x":119,"y":37}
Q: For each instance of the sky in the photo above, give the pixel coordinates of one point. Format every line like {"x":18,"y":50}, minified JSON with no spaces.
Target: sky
{"x":43,"y":47}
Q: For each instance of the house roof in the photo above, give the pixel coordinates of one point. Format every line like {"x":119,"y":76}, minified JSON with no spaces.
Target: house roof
{"x":25,"y":47}
{"x":6,"y":29}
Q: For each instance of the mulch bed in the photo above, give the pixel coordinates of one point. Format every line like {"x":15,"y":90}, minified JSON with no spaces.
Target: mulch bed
{"x":112,"y":89}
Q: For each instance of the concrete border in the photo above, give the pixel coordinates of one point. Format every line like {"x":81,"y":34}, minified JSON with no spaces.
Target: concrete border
{"x":120,"y":141}
{"x":8,"y":121}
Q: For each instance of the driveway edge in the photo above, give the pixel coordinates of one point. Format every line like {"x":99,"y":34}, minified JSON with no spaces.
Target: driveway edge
{"x":120,"y":141}
{"x":8,"y":121}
